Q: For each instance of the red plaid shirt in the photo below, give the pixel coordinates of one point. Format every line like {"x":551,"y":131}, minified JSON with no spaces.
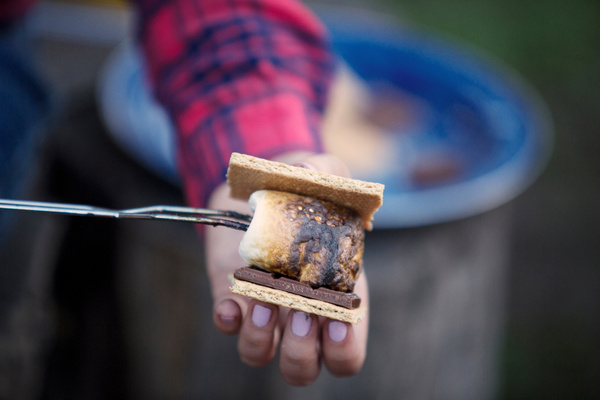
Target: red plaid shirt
{"x":235,"y":75}
{"x":249,"y":76}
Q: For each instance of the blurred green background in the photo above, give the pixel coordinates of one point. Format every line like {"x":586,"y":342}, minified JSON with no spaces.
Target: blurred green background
{"x":552,"y":343}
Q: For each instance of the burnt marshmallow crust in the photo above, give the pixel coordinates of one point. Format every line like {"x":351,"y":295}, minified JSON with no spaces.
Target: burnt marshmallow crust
{"x":311,"y":240}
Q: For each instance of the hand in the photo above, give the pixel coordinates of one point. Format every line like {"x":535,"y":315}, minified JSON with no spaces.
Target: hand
{"x":304,"y":340}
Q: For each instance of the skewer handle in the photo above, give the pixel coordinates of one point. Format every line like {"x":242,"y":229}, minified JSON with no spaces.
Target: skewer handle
{"x":229,"y":219}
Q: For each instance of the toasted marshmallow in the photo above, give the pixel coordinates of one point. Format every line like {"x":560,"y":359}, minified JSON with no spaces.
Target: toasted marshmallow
{"x":304,"y":238}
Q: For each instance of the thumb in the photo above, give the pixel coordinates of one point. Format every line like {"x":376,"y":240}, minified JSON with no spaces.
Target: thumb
{"x":222,"y":259}
{"x":325,"y":163}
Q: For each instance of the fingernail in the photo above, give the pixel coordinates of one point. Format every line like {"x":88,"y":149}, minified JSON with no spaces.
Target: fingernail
{"x":337,"y":331}
{"x":261,"y":315}
{"x":301,"y":323}
{"x":226,"y":319}
{"x":304,"y":165}
{"x":227,"y":311}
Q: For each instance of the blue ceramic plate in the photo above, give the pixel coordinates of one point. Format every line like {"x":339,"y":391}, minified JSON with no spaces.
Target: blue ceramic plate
{"x":468,"y":134}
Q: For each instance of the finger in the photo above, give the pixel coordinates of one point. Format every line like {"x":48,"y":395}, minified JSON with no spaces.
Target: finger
{"x":227,"y":317}
{"x":222,"y":258}
{"x":343,"y":354}
{"x":299,"y":361}
{"x":259,"y":335}
{"x":345,"y":345}
{"x":325,"y":163}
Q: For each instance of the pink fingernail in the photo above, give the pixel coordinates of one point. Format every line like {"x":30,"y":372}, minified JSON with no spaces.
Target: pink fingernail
{"x":261,"y":315}
{"x":227,"y":319}
{"x":305,"y":165}
{"x":301,"y":323}
{"x":337,"y":331}
{"x":227,"y":311}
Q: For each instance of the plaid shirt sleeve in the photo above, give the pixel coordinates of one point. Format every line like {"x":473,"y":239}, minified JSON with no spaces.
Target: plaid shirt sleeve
{"x":249,"y":76}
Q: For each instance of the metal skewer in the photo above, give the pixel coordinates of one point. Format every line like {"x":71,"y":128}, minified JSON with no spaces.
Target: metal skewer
{"x":229,"y":219}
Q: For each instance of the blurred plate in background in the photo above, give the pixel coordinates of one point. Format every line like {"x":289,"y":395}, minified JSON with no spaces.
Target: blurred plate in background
{"x":448,"y":131}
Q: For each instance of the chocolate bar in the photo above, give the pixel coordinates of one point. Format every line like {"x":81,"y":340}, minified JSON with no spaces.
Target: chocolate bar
{"x":279,"y":282}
